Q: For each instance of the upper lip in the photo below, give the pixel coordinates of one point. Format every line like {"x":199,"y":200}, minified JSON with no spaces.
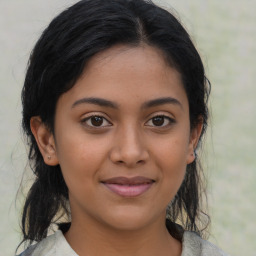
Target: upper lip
{"x":128,"y":181}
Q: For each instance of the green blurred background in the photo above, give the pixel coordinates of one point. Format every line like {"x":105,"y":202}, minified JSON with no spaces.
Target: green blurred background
{"x":224,"y":33}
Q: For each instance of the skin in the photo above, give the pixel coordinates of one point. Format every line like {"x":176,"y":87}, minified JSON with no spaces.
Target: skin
{"x":128,"y":142}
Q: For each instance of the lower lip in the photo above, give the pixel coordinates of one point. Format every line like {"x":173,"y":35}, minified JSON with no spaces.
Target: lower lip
{"x":128,"y":190}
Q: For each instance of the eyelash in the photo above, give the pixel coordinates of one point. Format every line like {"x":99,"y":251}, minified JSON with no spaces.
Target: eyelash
{"x":84,"y":121}
{"x":169,"y":120}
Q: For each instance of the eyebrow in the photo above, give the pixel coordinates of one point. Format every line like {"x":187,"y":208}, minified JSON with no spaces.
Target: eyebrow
{"x":161,"y":101}
{"x":110,"y":104}
{"x":96,"y":101}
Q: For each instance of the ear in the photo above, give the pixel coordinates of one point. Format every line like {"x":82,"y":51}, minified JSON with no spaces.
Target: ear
{"x":45,"y":140}
{"x":193,"y":141}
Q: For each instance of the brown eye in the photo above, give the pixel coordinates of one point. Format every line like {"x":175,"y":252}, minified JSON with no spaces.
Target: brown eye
{"x":96,"y":121}
{"x":160,"y":121}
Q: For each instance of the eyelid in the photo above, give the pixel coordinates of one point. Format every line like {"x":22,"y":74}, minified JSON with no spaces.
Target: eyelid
{"x":170,"y":119}
{"x":91,"y":115}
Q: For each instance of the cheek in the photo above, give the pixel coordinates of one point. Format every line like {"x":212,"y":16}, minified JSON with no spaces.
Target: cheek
{"x":173,"y":150}
{"x":79,"y":159}
{"x":174,"y":168}
{"x":172,"y":160}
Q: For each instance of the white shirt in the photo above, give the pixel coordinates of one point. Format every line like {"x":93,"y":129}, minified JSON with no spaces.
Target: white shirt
{"x":57,"y":245}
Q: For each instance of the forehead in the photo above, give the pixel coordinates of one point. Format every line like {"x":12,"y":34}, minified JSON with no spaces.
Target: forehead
{"x":128,"y":75}
{"x":121,"y":59}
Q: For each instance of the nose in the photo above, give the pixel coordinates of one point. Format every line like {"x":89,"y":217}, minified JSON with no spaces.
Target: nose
{"x":129,"y":148}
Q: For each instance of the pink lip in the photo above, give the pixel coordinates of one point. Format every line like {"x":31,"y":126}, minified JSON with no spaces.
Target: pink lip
{"x":128,"y":187}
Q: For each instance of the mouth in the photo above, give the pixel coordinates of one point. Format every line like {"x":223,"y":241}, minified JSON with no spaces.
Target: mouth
{"x":128,"y":187}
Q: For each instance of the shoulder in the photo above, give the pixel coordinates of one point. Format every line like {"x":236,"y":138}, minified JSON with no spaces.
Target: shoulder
{"x":44,"y":247}
{"x":52,"y":245}
{"x":194,"y":245}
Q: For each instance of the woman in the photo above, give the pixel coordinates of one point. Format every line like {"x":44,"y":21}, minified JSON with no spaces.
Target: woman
{"x":114,"y":109}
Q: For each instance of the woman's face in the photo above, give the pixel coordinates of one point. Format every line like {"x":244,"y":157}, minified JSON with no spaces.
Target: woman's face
{"x":123,"y":139}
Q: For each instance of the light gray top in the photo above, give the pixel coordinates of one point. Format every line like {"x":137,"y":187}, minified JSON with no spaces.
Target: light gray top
{"x":57,"y":245}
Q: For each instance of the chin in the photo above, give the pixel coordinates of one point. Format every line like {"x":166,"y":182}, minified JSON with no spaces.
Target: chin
{"x":129,"y":219}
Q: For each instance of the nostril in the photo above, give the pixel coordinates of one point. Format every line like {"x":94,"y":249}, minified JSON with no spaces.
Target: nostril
{"x":123,"y":162}
{"x":129,"y":156}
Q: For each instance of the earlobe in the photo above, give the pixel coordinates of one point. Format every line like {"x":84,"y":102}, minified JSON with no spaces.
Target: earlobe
{"x":45,"y":141}
{"x":194,"y":138}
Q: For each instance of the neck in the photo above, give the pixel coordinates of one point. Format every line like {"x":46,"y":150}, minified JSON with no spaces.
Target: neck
{"x":95,"y":239}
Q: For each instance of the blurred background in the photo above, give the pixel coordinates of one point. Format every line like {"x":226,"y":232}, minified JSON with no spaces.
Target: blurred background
{"x":224,"y":32}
